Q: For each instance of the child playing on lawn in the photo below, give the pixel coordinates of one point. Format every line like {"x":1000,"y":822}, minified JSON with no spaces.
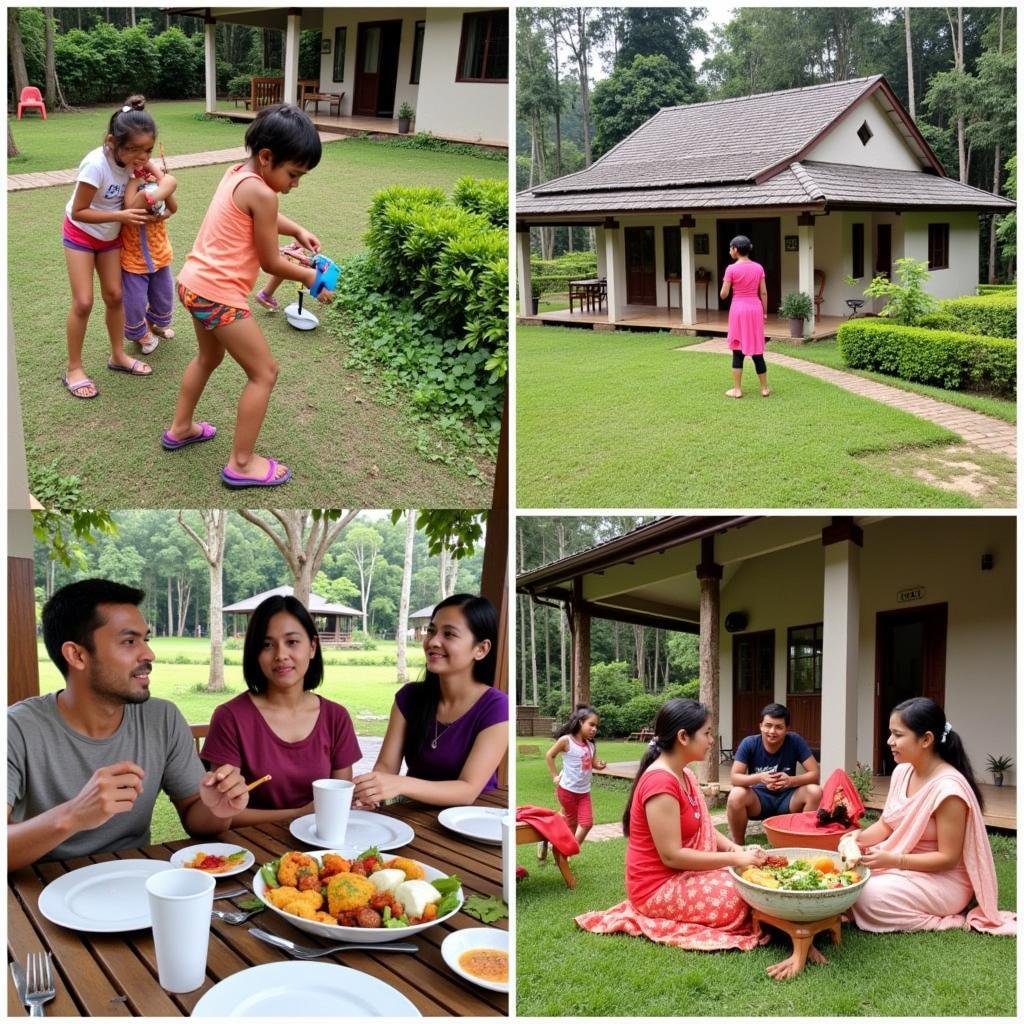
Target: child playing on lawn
{"x":747,"y":314}
{"x":579,"y":759}
{"x":93,"y":220}
{"x":238,"y":236}
{"x":146,"y":255}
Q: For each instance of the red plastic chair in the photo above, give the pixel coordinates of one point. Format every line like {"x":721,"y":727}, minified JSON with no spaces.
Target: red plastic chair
{"x":31,"y":98}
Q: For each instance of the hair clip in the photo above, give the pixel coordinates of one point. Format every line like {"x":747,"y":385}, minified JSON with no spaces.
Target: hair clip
{"x":125,"y":109}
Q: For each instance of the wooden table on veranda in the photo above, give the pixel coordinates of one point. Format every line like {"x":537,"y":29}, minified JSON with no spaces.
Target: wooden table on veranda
{"x":115,"y":975}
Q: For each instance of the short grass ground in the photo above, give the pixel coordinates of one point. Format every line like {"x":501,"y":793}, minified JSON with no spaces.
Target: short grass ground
{"x":626,"y":420}
{"x":366,"y":690}
{"x":344,"y":443}
{"x":564,"y":971}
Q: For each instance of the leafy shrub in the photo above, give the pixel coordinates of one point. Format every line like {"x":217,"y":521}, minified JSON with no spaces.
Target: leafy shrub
{"x":997,"y":289}
{"x":639,"y":713}
{"x":690,"y":689}
{"x":486,"y":196}
{"x":611,"y":719}
{"x":943,"y":358}
{"x":993,"y":315}
{"x":181,"y":68}
{"x":554,"y":275}
{"x":425,"y":140}
{"x":141,"y":60}
{"x":365,"y":641}
{"x":240,"y":85}
{"x":610,"y":683}
{"x":907,"y":301}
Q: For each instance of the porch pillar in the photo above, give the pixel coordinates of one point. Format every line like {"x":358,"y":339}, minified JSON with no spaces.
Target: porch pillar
{"x":580,"y":646}
{"x":613,"y":260}
{"x":805,"y":227}
{"x":688,"y":286}
{"x":210,"y":57}
{"x":840,"y":645}
{"x":709,"y":573}
{"x":291,"y":56}
{"x":523,"y":268}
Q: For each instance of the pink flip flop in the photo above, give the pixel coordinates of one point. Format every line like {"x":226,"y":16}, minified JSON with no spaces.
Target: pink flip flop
{"x":232,"y":479}
{"x":206,"y":433}
{"x":267,"y":301}
{"x":73,"y":389}
{"x":132,"y":370}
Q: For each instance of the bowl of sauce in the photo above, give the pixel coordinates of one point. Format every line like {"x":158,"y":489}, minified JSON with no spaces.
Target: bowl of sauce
{"x":480,"y":956}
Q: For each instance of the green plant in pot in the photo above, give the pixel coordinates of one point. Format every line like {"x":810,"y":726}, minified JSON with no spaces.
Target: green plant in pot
{"x":999,"y":766}
{"x":405,"y":116}
{"x":535,"y":294}
{"x":796,"y":308}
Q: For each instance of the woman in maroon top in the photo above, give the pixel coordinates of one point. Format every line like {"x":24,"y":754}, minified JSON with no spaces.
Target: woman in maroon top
{"x":280,"y":728}
{"x":451,"y":729}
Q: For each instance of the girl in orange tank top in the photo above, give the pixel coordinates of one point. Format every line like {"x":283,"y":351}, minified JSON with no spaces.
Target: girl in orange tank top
{"x":239,"y":236}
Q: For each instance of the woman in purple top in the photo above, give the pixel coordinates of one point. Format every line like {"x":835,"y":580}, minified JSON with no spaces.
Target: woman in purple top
{"x":279,"y":727}
{"x":747,"y":314}
{"x":452,"y":729}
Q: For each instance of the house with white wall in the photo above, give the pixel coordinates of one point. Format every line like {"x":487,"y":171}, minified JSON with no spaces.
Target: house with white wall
{"x":829,"y":181}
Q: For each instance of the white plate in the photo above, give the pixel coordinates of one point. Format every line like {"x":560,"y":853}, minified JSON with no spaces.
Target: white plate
{"x":341,"y":933}
{"x":281,"y":990}
{"x":459,"y":942}
{"x":365,"y":829}
{"x":179,"y":857}
{"x":108,"y":897}
{"x":480,"y":823}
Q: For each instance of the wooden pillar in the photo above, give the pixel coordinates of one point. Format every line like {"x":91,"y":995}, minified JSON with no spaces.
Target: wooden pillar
{"x":688,"y":285}
{"x":523,"y":269}
{"x":580,"y":647}
{"x":805,"y":227}
{"x":210,"y":70}
{"x":291,"y":56}
{"x":614,"y":261}
{"x":709,"y":573}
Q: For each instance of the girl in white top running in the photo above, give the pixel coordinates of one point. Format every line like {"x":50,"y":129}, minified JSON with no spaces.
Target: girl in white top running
{"x":579,"y":759}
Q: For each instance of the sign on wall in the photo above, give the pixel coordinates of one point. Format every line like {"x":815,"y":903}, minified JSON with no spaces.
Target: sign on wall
{"x":910,"y":594}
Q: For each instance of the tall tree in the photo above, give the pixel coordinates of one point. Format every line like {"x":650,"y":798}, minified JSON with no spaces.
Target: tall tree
{"x":211,"y":544}
{"x":362,"y":544}
{"x":580,"y":31}
{"x":403,"y":603}
{"x":303,"y":537}
{"x":12,"y":148}
{"x":672,"y":32}
{"x":910,"y":64}
{"x":16,"y":52}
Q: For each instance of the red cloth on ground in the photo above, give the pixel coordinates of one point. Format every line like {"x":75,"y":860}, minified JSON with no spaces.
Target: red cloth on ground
{"x":806,"y":823}
{"x":839,"y":784}
{"x":551,"y":825}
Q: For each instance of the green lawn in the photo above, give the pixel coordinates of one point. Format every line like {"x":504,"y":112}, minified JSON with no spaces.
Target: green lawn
{"x":826,"y":352}
{"x":625,"y":420}
{"x":564,"y":971}
{"x":345,"y":445}
{"x":365,"y":690}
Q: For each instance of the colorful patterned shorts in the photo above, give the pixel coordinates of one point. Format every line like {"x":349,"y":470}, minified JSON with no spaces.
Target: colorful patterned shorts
{"x":209,"y":314}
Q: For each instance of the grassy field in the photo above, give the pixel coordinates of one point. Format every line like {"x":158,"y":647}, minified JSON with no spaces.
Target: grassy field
{"x":826,"y":352}
{"x":617,"y":976}
{"x":624,"y":420}
{"x":344,"y":444}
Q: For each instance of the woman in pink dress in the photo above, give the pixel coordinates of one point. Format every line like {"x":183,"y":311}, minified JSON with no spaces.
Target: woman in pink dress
{"x":747,"y":313}
{"x":678,"y":889}
{"x":929,"y":854}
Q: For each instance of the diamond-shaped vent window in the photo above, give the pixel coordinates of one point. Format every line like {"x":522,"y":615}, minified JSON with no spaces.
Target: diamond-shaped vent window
{"x":864,"y":133}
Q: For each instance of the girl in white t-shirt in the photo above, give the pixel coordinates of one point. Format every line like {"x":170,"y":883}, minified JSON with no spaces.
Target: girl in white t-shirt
{"x":91,"y":235}
{"x":579,"y":759}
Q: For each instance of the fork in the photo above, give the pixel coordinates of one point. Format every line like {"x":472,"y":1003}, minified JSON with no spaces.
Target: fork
{"x":236,"y":916}
{"x":314,"y":952}
{"x":39,"y":987}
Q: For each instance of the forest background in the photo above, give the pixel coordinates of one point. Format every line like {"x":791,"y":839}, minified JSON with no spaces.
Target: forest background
{"x":588,"y":76}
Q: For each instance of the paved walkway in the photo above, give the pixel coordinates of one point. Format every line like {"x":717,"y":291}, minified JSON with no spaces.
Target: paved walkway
{"x":975,"y":428}
{"x":44,"y":179}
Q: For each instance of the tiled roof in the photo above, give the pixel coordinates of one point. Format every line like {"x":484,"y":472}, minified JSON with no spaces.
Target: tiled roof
{"x":719,"y":141}
{"x":807,"y":184}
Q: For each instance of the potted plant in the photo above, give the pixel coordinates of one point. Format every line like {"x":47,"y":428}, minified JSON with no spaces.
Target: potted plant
{"x":535,"y":294}
{"x":998,"y":766}
{"x":796,"y":308}
{"x":405,"y":115}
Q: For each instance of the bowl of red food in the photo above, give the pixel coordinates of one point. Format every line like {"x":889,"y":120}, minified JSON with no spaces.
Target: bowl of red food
{"x":800,"y":829}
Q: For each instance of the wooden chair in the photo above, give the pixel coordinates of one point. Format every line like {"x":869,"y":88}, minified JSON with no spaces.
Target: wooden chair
{"x":725,"y":753}
{"x":264,"y":92}
{"x":199,"y":733}
{"x":31,"y":99}
{"x":819,"y":291}
{"x":528,"y":834}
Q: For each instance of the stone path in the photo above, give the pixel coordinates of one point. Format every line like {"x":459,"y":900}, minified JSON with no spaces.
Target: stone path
{"x":44,"y":179}
{"x":370,"y":747}
{"x":984,"y":432}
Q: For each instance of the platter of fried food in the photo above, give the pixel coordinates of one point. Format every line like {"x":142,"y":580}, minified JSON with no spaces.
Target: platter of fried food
{"x":365,"y":897}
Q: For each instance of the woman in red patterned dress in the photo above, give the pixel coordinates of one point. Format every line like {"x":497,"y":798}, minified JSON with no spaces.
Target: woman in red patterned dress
{"x":678,"y":889}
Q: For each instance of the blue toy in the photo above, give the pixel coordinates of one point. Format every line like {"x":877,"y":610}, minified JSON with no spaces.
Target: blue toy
{"x":327,"y":274}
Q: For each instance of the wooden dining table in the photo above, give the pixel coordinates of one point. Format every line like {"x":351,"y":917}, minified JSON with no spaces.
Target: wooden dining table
{"x":115,"y":975}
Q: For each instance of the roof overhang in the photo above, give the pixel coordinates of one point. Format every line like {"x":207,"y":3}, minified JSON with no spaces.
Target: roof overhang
{"x":255,"y":17}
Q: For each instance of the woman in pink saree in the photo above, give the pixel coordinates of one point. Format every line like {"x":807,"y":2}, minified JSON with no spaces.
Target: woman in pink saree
{"x":929,"y":854}
{"x":678,"y":889}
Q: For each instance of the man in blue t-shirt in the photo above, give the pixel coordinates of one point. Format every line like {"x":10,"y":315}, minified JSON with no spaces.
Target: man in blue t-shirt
{"x":773,"y":773}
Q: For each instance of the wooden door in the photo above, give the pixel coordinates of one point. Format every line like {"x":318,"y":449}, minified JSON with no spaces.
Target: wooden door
{"x":765,"y":235}
{"x":910,"y":661}
{"x":883,"y":250}
{"x":641,"y":286}
{"x":376,"y":68}
{"x":753,"y":681}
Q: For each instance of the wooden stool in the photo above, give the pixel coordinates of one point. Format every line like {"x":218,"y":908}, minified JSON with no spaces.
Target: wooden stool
{"x":801,"y":933}
{"x":528,"y":834}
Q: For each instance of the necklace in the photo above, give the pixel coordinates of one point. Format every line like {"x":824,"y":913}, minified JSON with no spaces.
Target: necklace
{"x":692,"y":799}
{"x":438,"y":734}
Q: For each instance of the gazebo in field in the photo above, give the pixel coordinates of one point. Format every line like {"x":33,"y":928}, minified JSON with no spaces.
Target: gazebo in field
{"x":419,"y":620}
{"x":333,"y":621}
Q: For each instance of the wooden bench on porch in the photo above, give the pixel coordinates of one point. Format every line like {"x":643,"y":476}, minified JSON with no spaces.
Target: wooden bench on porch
{"x":265,"y":91}
{"x":645,"y":735}
{"x":332,"y":99}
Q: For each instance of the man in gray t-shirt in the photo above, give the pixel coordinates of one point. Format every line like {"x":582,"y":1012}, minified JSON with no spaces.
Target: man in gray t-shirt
{"x":85,"y":765}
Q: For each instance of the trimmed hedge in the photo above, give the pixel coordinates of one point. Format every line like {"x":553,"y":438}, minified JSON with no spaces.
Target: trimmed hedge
{"x":946,"y":359}
{"x":996,"y":289}
{"x":555,"y":275}
{"x":993,"y":315}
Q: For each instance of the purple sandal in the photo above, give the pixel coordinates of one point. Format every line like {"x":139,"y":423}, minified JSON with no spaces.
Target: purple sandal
{"x":207,"y":431}
{"x":237,"y":481}
{"x":132,"y":370}
{"x":267,"y":301}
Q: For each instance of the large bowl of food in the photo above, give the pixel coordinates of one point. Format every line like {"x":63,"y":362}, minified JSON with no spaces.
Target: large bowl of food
{"x":365,"y":897}
{"x":801,"y":884}
{"x":782,"y":831}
